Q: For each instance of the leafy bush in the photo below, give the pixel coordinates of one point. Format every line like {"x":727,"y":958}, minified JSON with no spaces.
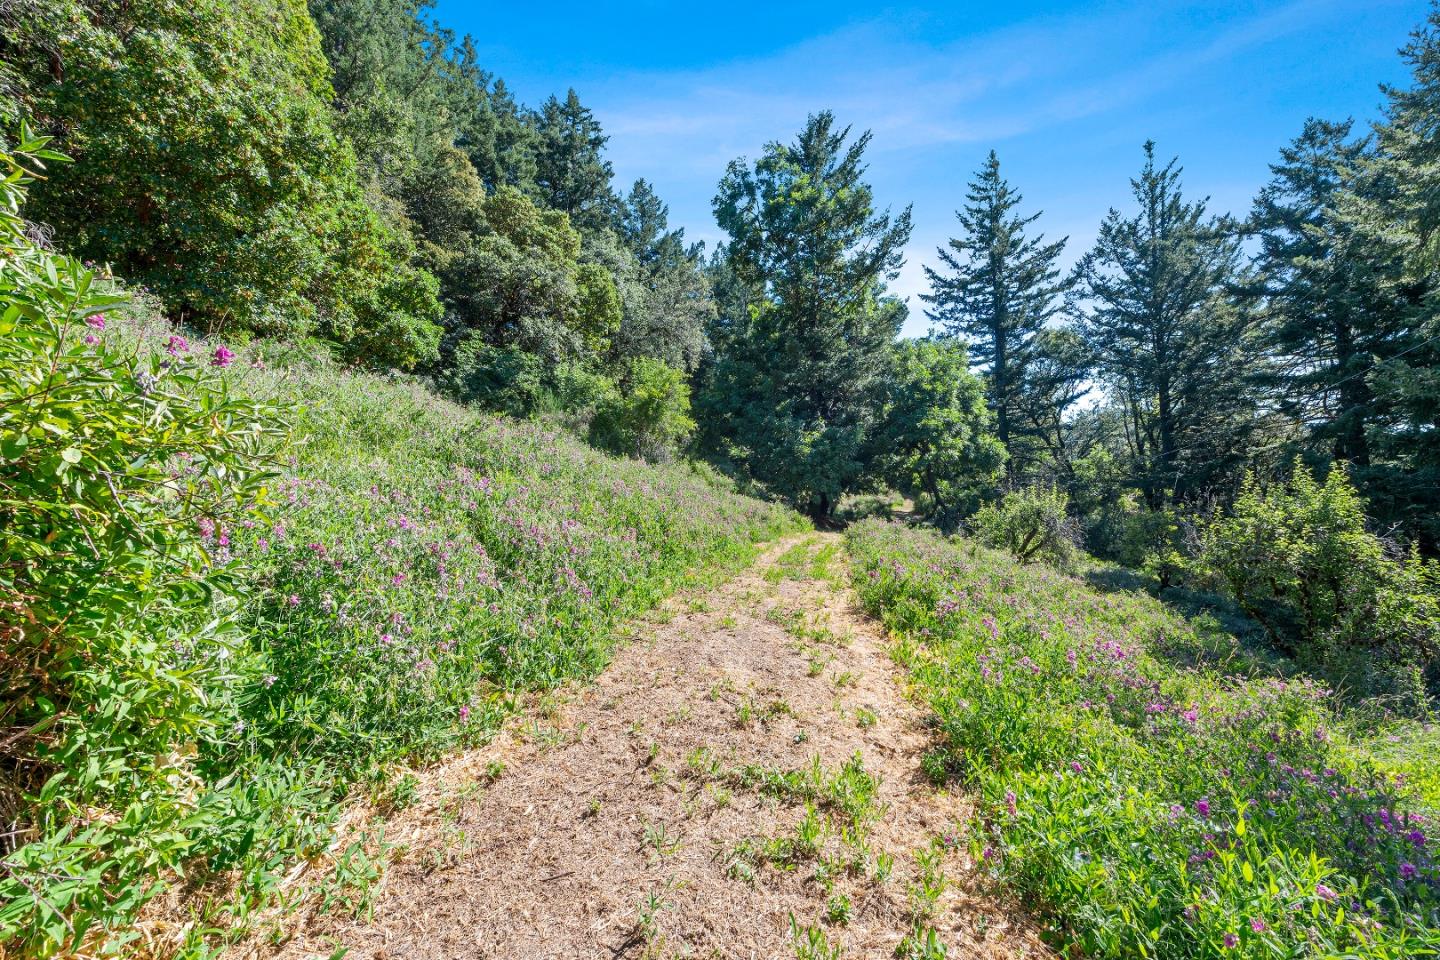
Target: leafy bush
{"x":1152,"y":541}
{"x":514,"y":381}
{"x":648,"y":416}
{"x":1298,"y":559}
{"x":123,"y":478}
{"x":934,"y":441}
{"x":211,"y":172}
{"x":1154,"y":811}
{"x":1031,"y":523}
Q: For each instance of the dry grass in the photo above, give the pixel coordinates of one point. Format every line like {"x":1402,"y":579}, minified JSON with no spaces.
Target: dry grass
{"x":675,"y":808}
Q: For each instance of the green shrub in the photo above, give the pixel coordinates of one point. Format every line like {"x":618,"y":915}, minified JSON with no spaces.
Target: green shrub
{"x":514,"y":381}
{"x":1152,"y":541}
{"x":123,"y":478}
{"x":1031,"y":523}
{"x":1298,"y":559}
{"x":648,"y":416}
{"x":934,"y":440}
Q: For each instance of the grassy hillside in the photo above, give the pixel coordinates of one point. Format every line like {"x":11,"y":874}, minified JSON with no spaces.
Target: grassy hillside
{"x":1151,"y":806}
{"x":409,"y":567}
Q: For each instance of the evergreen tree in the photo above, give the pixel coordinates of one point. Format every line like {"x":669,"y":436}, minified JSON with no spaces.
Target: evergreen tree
{"x":1001,"y":288}
{"x":1325,"y":314}
{"x":502,"y":143}
{"x":1155,"y":300}
{"x":672,"y":306}
{"x":1393,"y":210}
{"x":571,"y":172}
{"x":793,"y":397}
{"x":402,"y":84}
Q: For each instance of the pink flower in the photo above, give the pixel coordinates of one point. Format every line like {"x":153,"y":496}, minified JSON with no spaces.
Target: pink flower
{"x":1257,"y":925}
{"x":464,"y":713}
{"x":222,"y":358}
{"x":176,"y":345}
{"x":1230,"y":941}
{"x":91,"y":339}
{"x":96,"y":321}
{"x":1325,"y":893}
{"x":1202,"y":807}
{"x":1077,"y":766}
{"x":1010,"y":801}
{"x":294,"y":600}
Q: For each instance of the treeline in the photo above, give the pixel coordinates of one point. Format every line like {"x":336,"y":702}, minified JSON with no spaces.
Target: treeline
{"x":1182,"y":352}
{"x":349,"y":173}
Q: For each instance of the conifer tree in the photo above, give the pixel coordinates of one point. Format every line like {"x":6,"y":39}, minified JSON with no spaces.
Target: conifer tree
{"x":571,"y":172}
{"x":1325,"y":317}
{"x":1393,"y":209}
{"x":998,"y":288}
{"x":794,"y":396}
{"x":667,"y":317}
{"x":1155,"y":300}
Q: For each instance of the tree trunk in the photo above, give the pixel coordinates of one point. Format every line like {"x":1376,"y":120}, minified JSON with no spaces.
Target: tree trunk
{"x":1352,"y":443}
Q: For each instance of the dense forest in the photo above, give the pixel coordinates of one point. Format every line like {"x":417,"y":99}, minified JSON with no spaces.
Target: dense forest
{"x":1240,"y":409}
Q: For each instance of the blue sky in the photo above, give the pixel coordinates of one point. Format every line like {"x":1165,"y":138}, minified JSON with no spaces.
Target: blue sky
{"x":1066,"y":93}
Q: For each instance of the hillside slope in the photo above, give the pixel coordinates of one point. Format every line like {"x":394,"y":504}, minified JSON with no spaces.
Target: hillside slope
{"x":1151,"y":806}
{"x":409,"y":570}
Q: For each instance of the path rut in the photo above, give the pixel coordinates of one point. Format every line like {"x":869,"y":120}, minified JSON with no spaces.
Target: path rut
{"x":673,"y":808}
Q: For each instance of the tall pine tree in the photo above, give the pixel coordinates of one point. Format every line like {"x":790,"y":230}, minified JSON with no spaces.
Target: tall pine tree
{"x":571,"y":171}
{"x":1394,"y":212}
{"x":998,"y":289}
{"x":1325,"y":316}
{"x":795,"y":393}
{"x":667,"y":317}
{"x":1155,"y":298}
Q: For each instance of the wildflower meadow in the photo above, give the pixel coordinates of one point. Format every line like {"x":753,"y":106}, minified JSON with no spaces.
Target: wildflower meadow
{"x":1152,"y":787}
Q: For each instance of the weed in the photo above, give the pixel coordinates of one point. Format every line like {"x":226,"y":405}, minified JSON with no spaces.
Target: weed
{"x":811,"y":942}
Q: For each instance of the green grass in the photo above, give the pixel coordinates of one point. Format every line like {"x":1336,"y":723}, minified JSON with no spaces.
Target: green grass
{"x":420,"y":565}
{"x":1157,"y":788}
{"x":426,"y":563}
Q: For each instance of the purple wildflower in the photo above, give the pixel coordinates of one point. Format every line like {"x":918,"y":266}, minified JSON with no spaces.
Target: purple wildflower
{"x":1202,"y":807}
{"x":96,"y":321}
{"x":223,"y":357}
{"x":176,"y":345}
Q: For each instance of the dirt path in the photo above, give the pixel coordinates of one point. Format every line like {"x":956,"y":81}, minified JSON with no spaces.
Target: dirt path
{"x":747,"y":759}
